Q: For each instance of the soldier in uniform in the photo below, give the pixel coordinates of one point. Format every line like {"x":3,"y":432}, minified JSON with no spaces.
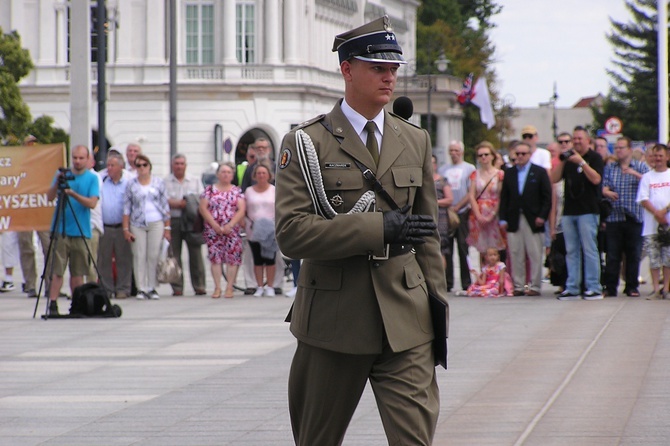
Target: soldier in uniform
{"x":361,"y":311}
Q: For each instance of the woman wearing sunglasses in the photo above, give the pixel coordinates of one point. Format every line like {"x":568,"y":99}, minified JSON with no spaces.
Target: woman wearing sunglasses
{"x":485,"y":186}
{"x":146,"y":221}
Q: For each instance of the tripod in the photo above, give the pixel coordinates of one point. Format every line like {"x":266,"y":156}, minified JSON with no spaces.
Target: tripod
{"x":54,"y":236}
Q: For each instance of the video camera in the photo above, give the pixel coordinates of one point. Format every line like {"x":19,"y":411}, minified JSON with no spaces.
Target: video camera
{"x":64,"y":175}
{"x":565,"y":155}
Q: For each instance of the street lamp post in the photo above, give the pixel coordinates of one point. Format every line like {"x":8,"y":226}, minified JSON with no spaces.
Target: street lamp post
{"x":505,"y":110}
{"x":441,"y":63}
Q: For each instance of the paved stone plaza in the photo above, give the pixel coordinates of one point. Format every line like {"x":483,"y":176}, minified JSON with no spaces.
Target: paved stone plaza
{"x":198,"y":371}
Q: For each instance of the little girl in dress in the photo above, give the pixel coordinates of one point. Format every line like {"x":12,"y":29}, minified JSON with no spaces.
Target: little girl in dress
{"x":493,"y":281}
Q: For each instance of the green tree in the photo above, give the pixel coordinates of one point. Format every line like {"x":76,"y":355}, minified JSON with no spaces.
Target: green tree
{"x":633,"y":95}
{"x":15,"y":119}
{"x":459,"y":29}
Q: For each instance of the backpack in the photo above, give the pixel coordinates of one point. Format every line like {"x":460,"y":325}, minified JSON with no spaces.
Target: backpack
{"x":91,"y":300}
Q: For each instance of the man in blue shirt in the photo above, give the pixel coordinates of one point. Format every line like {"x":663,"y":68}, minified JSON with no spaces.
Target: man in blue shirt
{"x":112,"y":243}
{"x":525,"y":202}
{"x":623,"y":229}
{"x":74,"y":227}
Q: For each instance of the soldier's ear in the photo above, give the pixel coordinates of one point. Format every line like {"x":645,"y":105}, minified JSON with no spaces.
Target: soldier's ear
{"x":345,"y":69}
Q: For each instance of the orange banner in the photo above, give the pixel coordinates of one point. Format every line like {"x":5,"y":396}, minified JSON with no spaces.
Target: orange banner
{"x":26,"y":173}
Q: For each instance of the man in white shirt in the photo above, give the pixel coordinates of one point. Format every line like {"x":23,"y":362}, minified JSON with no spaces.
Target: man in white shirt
{"x":458,"y":176}
{"x":654,"y":196}
{"x":97,"y":228}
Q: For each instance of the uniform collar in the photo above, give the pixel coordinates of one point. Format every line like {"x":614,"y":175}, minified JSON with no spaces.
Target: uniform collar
{"x":358,"y":121}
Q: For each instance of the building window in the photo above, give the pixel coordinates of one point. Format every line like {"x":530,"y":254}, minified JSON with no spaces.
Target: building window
{"x":200,"y":33}
{"x":245,"y":35}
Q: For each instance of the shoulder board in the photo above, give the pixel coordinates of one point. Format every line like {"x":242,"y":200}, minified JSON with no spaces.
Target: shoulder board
{"x":310,"y":122}
{"x":404,"y":120}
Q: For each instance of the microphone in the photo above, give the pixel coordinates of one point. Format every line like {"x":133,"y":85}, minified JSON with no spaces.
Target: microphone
{"x":403,"y":107}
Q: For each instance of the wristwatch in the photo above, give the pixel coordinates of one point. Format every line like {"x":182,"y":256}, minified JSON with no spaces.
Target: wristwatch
{"x":582,"y":164}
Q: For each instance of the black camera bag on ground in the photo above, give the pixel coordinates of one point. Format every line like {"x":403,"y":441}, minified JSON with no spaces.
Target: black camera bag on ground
{"x":91,"y":300}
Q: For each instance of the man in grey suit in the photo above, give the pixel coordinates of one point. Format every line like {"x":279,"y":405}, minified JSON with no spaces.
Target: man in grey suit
{"x":361,"y":312}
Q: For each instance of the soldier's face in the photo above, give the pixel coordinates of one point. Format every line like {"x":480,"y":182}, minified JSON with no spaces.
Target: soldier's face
{"x":371,"y":83}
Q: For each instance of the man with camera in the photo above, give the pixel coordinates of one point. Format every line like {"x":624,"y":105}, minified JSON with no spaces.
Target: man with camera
{"x":78,"y":191}
{"x":582,"y":170}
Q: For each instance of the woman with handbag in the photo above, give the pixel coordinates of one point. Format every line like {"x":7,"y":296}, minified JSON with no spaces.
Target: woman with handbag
{"x":222,"y":207}
{"x":485,"y":187}
{"x":260,"y":228}
{"x":444,"y":200}
{"x":146,"y":221}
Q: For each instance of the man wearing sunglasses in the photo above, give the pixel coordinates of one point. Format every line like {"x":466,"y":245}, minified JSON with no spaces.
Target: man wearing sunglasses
{"x":525,"y":202}
{"x":538,"y":155}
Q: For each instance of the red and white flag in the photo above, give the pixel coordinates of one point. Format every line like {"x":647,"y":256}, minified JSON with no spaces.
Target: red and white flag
{"x":482,"y":99}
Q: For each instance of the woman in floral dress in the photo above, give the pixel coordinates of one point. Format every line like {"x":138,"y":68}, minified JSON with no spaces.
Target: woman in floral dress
{"x":485,"y":187}
{"x":223,"y":207}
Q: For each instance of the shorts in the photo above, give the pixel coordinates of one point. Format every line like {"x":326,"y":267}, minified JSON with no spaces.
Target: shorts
{"x":72,"y":249}
{"x":258,"y":259}
{"x":658,"y":255}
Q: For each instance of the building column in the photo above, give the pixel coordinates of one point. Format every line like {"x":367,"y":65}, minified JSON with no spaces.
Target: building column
{"x":155,"y":33}
{"x":272,"y":32}
{"x":80,"y":73}
{"x":229,"y":28}
{"x":46,"y":32}
{"x":291,"y":29}
{"x":124,"y":33}
{"x":61,"y":33}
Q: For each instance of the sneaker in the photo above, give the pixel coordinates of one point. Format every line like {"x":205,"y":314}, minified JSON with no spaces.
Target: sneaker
{"x":121,"y":296}
{"x":53,"y":307}
{"x":7,"y":286}
{"x":292,"y":292}
{"x":592,"y":295}
{"x":153,"y":295}
{"x":269,"y":292}
{"x":258,"y":292}
{"x":461,"y":293}
{"x":141,"y":295}
{"x":566,"y":295}
{"x":31,"y":293}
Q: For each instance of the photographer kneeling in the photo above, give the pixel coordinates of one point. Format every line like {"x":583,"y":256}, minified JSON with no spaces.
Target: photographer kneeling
{"x":80,"y":189}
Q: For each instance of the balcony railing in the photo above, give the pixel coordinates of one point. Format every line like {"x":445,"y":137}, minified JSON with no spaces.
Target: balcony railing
{"x":53,"y":76}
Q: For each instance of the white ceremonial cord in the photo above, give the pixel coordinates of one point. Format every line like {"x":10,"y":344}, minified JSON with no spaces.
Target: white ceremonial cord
{"x":311,"y":172}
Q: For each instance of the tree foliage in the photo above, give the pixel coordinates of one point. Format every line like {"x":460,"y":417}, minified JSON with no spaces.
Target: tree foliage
{"x":15,"y":119}
{"x":459,"y":29}
{"x":633,"y":94}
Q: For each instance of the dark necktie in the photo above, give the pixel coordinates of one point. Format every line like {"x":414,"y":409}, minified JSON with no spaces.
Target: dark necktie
{"x":371,"y":142}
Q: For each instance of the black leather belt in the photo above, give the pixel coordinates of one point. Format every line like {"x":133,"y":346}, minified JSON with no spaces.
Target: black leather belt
{"x":392,"y":251}
{"x":118,"y":225}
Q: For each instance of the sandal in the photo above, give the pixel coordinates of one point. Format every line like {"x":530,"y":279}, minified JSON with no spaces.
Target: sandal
{"x":633,"y":293}
{"x":229,"y":294}
{"x":217,"y":293}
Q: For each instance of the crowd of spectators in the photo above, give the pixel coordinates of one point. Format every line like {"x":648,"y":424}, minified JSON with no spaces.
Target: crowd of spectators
{"x":587,"y":214}
{"x":128,"y":215}
{"x":584,"y":210}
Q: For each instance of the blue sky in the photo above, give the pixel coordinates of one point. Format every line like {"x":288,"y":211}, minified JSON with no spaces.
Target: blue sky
{"x":539,"y":42}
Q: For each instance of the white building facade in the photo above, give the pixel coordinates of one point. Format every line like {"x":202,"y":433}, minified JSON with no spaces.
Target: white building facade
{"x":247,"y":68}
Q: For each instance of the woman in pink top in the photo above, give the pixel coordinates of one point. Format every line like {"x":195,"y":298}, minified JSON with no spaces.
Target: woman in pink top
{"x":260,"y":228}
